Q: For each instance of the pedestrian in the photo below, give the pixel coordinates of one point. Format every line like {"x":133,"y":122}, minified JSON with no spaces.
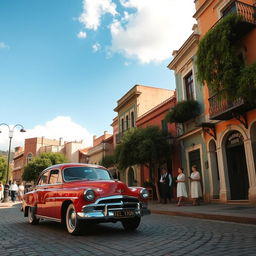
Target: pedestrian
{"x":181,"y":186}
{"x":165,"y":185}
{"x":1,"y":191}
{"x":13,"y":190}
{"x":196,"y":190}
{"x":21,"y":191}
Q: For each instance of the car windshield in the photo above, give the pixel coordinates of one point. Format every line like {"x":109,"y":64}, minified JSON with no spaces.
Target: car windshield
{"x":86,"y":173}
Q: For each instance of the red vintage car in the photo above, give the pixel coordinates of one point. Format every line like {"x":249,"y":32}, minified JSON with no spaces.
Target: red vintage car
{"x":74,"y":194}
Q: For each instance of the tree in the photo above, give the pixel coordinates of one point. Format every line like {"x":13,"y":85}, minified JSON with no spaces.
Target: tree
{"x":108,"y":161}
{"x":147,"y":146}
{"x":3,"y":166}
{"x":38,"y":164}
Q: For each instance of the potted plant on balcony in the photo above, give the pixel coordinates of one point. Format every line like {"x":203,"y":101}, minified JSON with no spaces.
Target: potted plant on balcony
{"x":183,"y":111}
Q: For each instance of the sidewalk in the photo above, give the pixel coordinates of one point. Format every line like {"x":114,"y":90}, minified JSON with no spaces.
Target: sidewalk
{"x":9,"y":204}
{"x":241,"y":213}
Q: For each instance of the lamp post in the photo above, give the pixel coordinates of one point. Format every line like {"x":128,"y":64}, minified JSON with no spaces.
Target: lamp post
{"x":11,"y":131}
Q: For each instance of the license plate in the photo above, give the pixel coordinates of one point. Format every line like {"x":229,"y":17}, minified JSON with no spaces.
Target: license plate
{"x":124,"y":214}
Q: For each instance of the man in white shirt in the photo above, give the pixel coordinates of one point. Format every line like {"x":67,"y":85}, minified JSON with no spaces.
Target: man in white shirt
{"x":165,"y":185}
{"x":13,"y":189}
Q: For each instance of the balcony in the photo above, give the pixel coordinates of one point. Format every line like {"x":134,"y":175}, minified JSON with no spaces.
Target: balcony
{"x":248,"y":12}
{"x":221,"y":108}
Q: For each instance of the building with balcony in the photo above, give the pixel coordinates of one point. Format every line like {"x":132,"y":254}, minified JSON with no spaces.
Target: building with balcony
{"x":230,"y":122}
{"x":189,"y":131}
{"x":135,"y":103}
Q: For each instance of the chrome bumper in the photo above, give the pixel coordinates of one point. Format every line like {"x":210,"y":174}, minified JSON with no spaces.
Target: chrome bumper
{"x":120,"y":208}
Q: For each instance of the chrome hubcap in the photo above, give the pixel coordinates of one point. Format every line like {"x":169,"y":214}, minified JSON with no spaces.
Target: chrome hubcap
{"x":72,"y":219}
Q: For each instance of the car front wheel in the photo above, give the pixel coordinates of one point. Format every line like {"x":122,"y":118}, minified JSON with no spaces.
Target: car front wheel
{"x":73,"y":224}
{"x":32,"y":219}
{"x":131,"y":224}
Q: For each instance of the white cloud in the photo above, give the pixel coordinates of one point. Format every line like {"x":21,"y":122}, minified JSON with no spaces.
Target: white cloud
{"x":81,"y":34}
{"x":146,"y":30}
{"x":3,"y":45}
{"x":154,"y":31}
{"x":59,"y":127}
{"x":94,"y":10}
{"x":96,"y":47}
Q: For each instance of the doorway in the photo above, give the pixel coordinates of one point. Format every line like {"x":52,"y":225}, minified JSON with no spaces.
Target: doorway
{"x":237,"y":167}
{"x":131,"y":179}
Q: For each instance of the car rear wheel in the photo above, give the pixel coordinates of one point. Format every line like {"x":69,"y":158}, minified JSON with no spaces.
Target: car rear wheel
{"x":32,"y":219}
{"x":131,"y":224}
{"x":73,"y":224}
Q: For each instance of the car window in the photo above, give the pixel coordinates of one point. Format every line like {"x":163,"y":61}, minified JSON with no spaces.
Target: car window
{"x":43,"y":179}
{"x":55,"y":177}
{"x":86,"y":173}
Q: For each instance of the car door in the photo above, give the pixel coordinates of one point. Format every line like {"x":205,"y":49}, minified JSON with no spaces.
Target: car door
{"x":41,"y":190}
{"x":52,"y":196}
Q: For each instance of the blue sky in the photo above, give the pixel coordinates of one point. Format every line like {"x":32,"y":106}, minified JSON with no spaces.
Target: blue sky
{"x":52,"y":76}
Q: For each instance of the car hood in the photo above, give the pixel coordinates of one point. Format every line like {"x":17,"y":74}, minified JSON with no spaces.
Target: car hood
{"x":105,"y":188}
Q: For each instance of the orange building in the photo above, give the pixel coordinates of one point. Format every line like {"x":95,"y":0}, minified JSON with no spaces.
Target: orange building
{"x":230,"y":128}
{"x":156,"y":117}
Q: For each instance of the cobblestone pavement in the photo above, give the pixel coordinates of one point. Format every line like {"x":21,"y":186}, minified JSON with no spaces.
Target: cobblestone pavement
{"x":157,"y":235}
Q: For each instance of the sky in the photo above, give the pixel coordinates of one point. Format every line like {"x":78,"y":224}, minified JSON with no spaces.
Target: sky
{"x":65,"y":63}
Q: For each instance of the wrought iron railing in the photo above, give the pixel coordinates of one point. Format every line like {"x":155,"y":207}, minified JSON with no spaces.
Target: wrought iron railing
{"x":220,"y":104}
{"x":248,"y":12}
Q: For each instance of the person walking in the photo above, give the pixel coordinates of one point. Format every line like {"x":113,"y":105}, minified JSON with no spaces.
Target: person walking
{"x":21,"y":191}
{"x":181,"y":186}
{"x":196,"y":190}
{"x":1,"y":191}
{"x":165,"y":185}
{"x":13,"y":190}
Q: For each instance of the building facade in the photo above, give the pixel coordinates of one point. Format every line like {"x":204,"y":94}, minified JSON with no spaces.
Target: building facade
{"x":230,"y":126}
{"x":135,"y":103}
{"x":157,"y":117}
{"x":33,"y":147}
{"x":190,"y":134}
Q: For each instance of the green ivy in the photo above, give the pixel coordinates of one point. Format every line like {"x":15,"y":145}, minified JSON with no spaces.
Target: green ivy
{"x":183,"y":111}
{"x":247,"y":84}
{"x":218,"y":64}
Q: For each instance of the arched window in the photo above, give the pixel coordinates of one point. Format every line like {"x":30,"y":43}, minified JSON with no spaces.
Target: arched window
{"x":127,"y":122}
{"x":29,"y":157}
{"x":132,"y":119}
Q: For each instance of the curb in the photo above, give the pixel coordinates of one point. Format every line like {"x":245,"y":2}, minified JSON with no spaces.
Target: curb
{"x":237,"y":219}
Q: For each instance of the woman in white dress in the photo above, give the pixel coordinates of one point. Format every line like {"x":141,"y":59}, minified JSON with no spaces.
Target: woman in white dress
{"x":196,"y":190}
{"x":181,"y":186}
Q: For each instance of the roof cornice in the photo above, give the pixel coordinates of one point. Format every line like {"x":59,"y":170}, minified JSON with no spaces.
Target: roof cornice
{"x":191,"y":42}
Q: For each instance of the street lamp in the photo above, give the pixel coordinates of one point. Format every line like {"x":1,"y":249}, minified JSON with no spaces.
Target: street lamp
{"x":11,"y":131}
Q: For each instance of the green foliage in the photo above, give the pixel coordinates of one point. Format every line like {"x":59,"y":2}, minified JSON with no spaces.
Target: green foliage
{"x":247,"y":84}
{"x":221,"y":67}
{"x":3,"y":166}
{"x":183,"y":111}
{"x":38,"y":164}
{"x":142,"y":146}
{"x":108,"y":161}
{"x":217,"y":61}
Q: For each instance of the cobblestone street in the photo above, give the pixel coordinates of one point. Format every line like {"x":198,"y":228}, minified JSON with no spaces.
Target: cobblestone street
{"x":157,"y":235}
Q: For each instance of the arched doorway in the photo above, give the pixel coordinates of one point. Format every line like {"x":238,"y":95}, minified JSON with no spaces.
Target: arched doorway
{"x":131,"y":179}
{"x":214,"y":170}
{"x":237,"y":168}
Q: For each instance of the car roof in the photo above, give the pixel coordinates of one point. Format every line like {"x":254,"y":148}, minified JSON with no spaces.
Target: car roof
{"x":65,"y":165}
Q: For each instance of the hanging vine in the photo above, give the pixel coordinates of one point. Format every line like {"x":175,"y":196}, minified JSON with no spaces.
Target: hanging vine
{"x":218,"y":63}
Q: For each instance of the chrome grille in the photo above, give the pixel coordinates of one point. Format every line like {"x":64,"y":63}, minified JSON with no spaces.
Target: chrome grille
{"x":114,"y":203}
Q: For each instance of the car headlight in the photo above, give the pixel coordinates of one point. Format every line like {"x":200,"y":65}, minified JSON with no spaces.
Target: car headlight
{"x":144,"y":193}
{"x":89,"y":195}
